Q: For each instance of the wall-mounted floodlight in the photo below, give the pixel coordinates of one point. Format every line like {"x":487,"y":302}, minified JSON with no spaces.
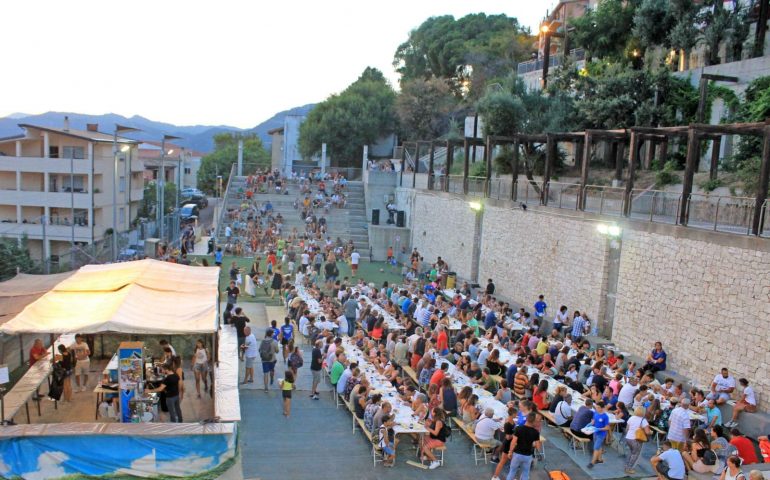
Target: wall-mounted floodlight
{"x":475,"y":206}
{"x":612,"y":231}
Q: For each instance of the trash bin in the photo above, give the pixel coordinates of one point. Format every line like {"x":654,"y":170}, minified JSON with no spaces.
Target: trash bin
{"x":451,"y":280}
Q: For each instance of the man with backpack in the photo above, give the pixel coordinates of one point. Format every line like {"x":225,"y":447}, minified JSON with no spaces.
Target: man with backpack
{"x":268,"y":350}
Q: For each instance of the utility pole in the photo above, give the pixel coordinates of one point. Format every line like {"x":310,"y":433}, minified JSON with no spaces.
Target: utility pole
{"x":46,"y":264}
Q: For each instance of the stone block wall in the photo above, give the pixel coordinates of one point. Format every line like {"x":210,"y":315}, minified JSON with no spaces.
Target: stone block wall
{"x":528,"y":253}
{"x":442,"y":225}
{"x":709,"y":304}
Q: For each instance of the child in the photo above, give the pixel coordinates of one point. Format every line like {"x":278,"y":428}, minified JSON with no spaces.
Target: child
{"x":287,"y":385}
{"x":601,"y":423}
{"x":387,"y":435}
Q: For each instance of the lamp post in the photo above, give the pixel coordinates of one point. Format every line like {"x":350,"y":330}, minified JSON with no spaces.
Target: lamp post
{"x":545,"y":30}
{"x":160,"y":186}
{"x":124,"y":148}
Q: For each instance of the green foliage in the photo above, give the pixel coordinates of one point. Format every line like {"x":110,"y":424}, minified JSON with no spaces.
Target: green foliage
{"x":478,"y":169}
{"x":605,"y":31}
{"x":653,"y":22}
{"x":472,"y":49}
{"x":720,"y":25}
{"x":14,"y":257}
{"x":362,"y":113}
{"x":150,"y":199}
{"x":667,"y":175}
{"x":710,"y":185}
{"x":424,"y":108}
{"x":225,"y":154}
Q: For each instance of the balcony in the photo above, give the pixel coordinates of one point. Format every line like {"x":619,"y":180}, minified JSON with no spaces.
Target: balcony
{"x":42,"y":199}
{"x":577,"y":55}
{"x":34,"y":231}
{"x":44,"y":165}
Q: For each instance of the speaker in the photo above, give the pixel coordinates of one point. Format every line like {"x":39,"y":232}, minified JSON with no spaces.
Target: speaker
{"x":375,"y":216}
{"x":400,"y":219}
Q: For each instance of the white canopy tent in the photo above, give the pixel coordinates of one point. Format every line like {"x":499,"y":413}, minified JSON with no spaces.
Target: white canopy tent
{"x":141,"y":297}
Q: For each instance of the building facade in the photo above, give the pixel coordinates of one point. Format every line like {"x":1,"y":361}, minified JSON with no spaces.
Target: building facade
{"x":57,"y":184}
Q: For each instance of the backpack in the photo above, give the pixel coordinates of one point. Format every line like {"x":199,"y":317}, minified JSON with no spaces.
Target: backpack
{"x":295,"y":361}
{"x":709,"y":457}
{"x":266,"y":352}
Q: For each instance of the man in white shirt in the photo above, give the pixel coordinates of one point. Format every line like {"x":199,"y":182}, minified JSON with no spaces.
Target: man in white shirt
{"x":303,"y":323}
{"x":355,"y":257}
{"x":485,"y":430}
{"x":628,"y":391}
{"x":484,"y":354}
{"x":305,"y":261}
{"x":342,"y":321}
{"x":343,"y":381}
{"x":722,"y":387}
{"x":674,"y":460}
{"x":250,"y":352}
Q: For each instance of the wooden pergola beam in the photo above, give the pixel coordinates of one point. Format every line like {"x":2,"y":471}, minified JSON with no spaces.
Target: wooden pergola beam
{"x":466,"y":164}
{"x":430,"y":165}
{"x":633,"y":151}
{"x":714,"y":167}
{"x":758,"y":221}
{"x":515,"y":169}
{"x":584,"y":167}
{"x":693,"y":154}
{"x":450,"y":150}
{"x":756,"y":128}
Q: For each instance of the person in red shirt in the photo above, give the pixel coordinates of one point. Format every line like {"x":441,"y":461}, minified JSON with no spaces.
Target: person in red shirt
{"x":442,"y":341}
{"x":745,"y":447}
{"x":439,"y":375}
{"x":37,"y":352}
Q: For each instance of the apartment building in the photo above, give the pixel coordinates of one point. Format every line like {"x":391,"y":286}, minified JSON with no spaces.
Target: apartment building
{"x":56,"y":187}
{"x":174,"y":157}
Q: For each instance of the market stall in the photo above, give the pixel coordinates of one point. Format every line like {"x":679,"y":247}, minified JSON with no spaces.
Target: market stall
{"x":140,"y":298}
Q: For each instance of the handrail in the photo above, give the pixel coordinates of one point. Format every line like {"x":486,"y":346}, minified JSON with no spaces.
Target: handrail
{"x":223,"y":203}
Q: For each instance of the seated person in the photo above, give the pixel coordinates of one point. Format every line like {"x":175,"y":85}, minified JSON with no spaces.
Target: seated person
{"x":722,"y":387}
{"x":656,"y":360}
{"x":581,"y":419}
{"x":748,"y":402}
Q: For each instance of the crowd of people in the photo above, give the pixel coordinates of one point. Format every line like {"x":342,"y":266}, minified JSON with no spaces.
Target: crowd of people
{"x":422,"y":326}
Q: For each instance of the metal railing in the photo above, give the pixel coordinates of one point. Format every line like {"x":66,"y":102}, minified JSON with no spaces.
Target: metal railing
{"x":575,"y":54}
{"x":720,"y":213}
{"x":223,"y":203}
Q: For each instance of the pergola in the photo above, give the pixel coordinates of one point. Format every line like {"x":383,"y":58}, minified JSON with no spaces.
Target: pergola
{"x":636,"y":137}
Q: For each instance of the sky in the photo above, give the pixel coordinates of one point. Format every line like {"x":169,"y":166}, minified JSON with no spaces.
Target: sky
{"x":204,"y":62}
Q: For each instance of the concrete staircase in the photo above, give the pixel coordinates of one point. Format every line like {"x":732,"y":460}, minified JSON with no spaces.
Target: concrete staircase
{"x":347,"y":223}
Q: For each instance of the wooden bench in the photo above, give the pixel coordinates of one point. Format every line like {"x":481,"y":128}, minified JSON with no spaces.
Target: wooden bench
{"x":411,"y":374}
{"x":480,"y":449}
{"x":574,"y":440}
{"x":548,"y":416}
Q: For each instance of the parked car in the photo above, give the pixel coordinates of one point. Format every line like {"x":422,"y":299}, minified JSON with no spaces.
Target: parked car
{"x":201,"y":200}
{"x":190,"y":191}
{"x":189,"y":211}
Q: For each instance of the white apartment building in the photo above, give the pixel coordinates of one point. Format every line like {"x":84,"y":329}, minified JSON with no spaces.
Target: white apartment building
{"x":64,"y":178}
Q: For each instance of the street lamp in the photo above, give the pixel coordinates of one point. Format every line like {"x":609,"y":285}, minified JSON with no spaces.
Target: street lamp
{"x":545,"y":30}
{"x":160,"y":186}
{"x":123,"y":148}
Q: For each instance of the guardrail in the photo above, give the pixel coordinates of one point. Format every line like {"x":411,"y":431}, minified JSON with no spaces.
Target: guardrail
{"x":223,"y":203}
{"x":720,"y":213}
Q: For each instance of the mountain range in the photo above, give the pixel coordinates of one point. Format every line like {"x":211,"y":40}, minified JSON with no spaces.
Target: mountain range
{"x":195,"y":137}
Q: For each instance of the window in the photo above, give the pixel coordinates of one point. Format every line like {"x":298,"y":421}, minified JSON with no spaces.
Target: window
{"x":78,"y":181}
{"x":53,"y":152}
{"x":122,"y":215}
{"x":73,"y":152}
{"x":187,"y":170}
{"x":122,"y":184}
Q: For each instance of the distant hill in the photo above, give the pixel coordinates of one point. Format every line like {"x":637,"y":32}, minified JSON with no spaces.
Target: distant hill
{"x":195,"y":137}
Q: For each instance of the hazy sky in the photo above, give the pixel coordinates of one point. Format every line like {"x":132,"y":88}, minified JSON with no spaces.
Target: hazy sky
{"x":206,"y":62}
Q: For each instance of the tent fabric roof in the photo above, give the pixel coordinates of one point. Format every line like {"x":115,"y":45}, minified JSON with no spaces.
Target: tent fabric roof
{"x":140,"y":297}
{"x":23,"y":289}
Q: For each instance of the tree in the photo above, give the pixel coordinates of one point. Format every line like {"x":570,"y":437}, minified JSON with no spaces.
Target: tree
{"x":14,"y":257}
{"x":361,"y":114}
{"x":150,"y":199}
{"x":225,"y":154}
{"x":517,"y":110}
{"x":466,"y":53}
{"x":424,"y":108}
{"x":605,"y":31}
{"x":653,"y":22}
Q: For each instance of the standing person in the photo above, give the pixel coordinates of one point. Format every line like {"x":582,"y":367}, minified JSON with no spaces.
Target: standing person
{"x":249,"y":348}
{"x":276,"y":284}
{"x":679,"y":424}
{"x":170,"y":386}
{"x":490,"y":290}
{"x":232,"y":293}
{"x":239,"y":321}
{"x":82,"y":362}
{"x":601,"y":423}
{"x":350,"y":309}
{"x":561,"y":318}
{"x":66,"y":361}
{"x":524,"y":441}
{"x":287,"y":338}
{"x":267,"y":352}
{"x":200,"y":362}
{"x":540,"y":308}
{"x":218,"y":257}
{"x":355,"y":258}
{"x":296,"y":361}
{"x":578,"y":327}
{"x":633,"y":439}
{"x":316,"y":363}
{"x":287,"y":385}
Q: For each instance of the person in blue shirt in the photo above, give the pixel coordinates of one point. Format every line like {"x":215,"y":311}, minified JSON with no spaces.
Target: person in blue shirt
{"x":656,"y":360}
{"x":431,"y":297}
{"x":490,"y":320}
{"x":218,"y":257}
{"x":601,"y":423}
{"x":540,"y":307}
{"x":287,"y":337}
{"x":582,"y":418}
{"x":274,"y":330}
{"x":405,"y":306}
{"x":510,"y":374}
